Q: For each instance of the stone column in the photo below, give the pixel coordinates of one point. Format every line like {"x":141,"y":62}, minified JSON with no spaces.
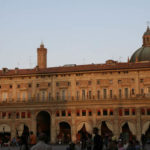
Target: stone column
{"x":73,"y":127}
{"x":138,"y":123}
{"x":33,"y":122}
{"x":13,"y":128}
{"x":116,"y":123}
{"x":53,"y":128}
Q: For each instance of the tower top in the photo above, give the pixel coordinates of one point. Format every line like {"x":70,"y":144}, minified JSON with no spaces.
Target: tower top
{"x":42,"y":44}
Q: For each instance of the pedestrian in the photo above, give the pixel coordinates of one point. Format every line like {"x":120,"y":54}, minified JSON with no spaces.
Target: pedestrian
{"x":98,"y":141}
{"x":131,"y":146}
{"x":32,"y":139}
{"x":147,"y":145}
{"x":89,"y":142}
{"x":41,"y":144}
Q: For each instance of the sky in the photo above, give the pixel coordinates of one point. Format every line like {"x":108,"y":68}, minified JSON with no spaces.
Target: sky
{"x":74,"y":31}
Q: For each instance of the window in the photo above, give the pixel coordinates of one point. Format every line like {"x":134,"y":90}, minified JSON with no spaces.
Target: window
{"x":111,"y":112}
{"x":57,"y":83}
{"x":133,"y":111}
{"x":49,"y":96}
{"x":10,"y":86}
{"x":141,"y":80}
{"x":126,"y":112}
{"x":9,"y":115}
{"x":4,"y":96}
{"x":63,"y":113}
{"x":49,"y":84}
{"x":132,"y":92}
{"x":78,"y":113}
{"x":120,"y":93}
{"x":69,"y":83}
{"x":89,"y":82}
{"x":63,"y":95}
{"x":29,"y":115}
{"x":77,"y":83}
{"x":57,"y":95}
{"x":111,"y":94}
{"x":104,"y":93}
{"x":148,"y":111}
{"x":29,"y":96}
{"x":69,"y":113}
{"x":90,"y":94}
{"x":105,"y":112}
{"x":22,"y":114}
{"x":119,"y":81}
{"x":83,"y":112}
{"x":29,"y":85}
{"x":98,"y":94}
{"x":148,"y":89}
{"x":142,"y":111}
{"x":23,"y":96}
{"x":38,"y":96}
{"x":126,"y":92}
{"x":83,"y":94}
{"x":17,"y":115}
{"x":98,"y":82}
{"x":57,"y":113}
{"x":110,"y":81}
{"x":77,"y":95}
{"x":90,"y":113}
{"x":98,"y":112}
{"x":18,"y":86}
{"x":120,"y":112}
{"x":142,"y":91}
{"x":3,"y":115}
{"x":37,"y":85}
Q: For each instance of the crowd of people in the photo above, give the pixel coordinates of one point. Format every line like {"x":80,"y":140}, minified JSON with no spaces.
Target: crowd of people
{"x":28,"y":141}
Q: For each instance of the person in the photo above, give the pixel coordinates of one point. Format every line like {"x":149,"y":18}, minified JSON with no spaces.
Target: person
{"x":98,"y":142}
{"x":89,"y":142}
{"x":147,"y":145}
{"x":32,"y":139}
{"x":41,"y":145}
{"x":131,"y":146}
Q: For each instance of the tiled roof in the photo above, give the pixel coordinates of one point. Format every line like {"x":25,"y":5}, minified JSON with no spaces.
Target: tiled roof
{"x":75,"y":68}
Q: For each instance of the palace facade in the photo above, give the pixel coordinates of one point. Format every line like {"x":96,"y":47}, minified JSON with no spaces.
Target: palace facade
{"x":63,"y":101}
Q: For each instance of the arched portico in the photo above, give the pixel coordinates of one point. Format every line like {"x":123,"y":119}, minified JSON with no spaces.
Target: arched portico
{"x":43,"y":123}
{"x":5,"y":132}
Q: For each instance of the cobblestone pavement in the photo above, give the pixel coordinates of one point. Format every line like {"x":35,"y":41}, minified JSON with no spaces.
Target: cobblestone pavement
{"x":54,"y":147}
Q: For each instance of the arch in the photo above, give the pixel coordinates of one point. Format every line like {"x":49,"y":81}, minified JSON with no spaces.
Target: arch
{"x":5,"y":128}
{"x":64,"y":132}
{"x":108,"y":123}
{"x":87,"y":126}
{"x":20,"y":129}
{"x":145,"y":127}
{"x":43,"y":123}
{"x":131,"y":127}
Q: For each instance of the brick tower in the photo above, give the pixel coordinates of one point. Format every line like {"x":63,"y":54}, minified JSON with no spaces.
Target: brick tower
{"x":42,"y":56}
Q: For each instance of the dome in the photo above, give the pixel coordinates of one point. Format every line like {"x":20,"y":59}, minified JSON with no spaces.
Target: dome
{"x":143,"y":53}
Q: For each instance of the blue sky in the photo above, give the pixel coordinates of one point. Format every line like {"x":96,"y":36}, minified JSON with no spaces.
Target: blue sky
{"x":73,"y":31}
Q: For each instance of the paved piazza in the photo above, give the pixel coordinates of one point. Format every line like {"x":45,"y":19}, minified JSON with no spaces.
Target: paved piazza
{"x":54,"y":147}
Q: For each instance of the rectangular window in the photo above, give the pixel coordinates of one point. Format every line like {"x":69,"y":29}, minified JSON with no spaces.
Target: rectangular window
{"x":89,"y":82}
{"x":120,"y":93}
{"x":49,"y":96}
{"x":63,"y":95}
{"x":132,"y":92}
{"x":111,"y":94}
{"x":29,"y":96}
{"x":3,"y":115}
{"x":98,"y":112}
{"x":77,"y":95}
{"x":104,"y":93}
{"x":148,"y":89}
{"x":77,"y":83}
{"x":142,"y":111}
{"x":142,"y":91}
{"x":22,"y":114}
{"x":148,"y":111}
{"x":126,"y":92}
{"x":43,"y":93}
{"x":69,"y":113}
{"x":57,"y":114}
{"x":78,"y":112}
{"x":105,"y":112}
{"x":98,"y":82}
{"x":29,"y":115}
{"x":24,"y":96}
{"x":63,"y":113}
{"x":4,"y":96}
{"x":18,"y":96}
{"x":90,"y":94}
{"x":9,"y":115}
{"x":90,"y":113}
{"x":133,"y":111}
{"x":29,"y":85}
{"x":38,"y":96}
{"x":120,"y":112}
{"x":57,"y":83}
{"x":83,"y":94}
{"x":126,"y":112}
{"x":17,"y":115}
{"x":111,"y":112}
{"x":57,"y":95}
{"x":98,"y":94}
{"x":83,"y":112}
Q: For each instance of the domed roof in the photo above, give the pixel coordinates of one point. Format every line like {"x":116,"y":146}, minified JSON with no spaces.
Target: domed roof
{"x":143,"y":53}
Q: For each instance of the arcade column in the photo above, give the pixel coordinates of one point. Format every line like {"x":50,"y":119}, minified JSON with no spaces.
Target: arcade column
{"x":53,"y":128}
